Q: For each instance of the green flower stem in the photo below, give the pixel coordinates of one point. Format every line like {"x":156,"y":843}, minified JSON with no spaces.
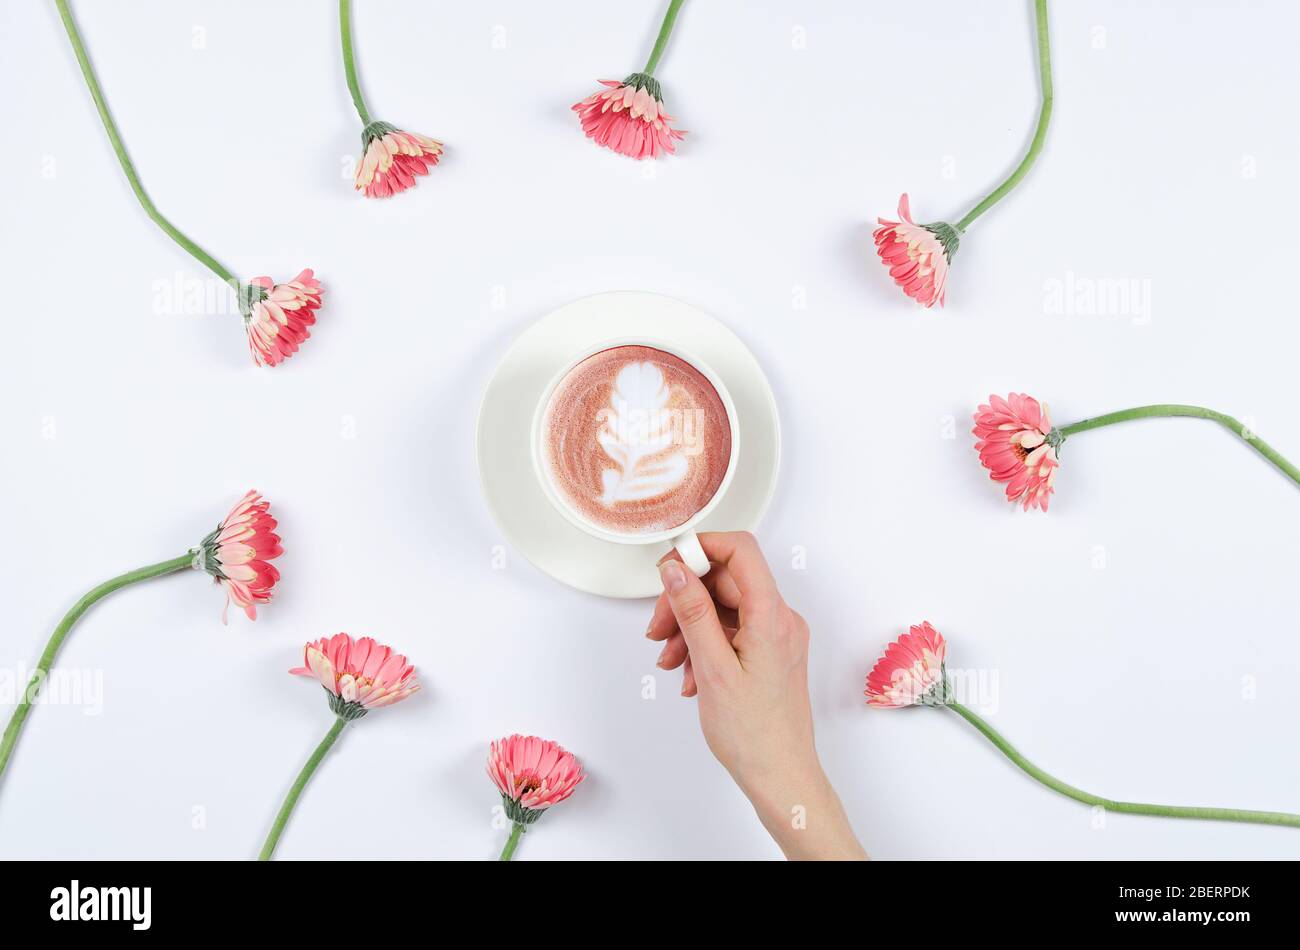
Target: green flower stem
{"x":1131,"y":808}
{"x":512,"y":842}
{"x":46,"y":661}
{"x":349,"y":61}
{"x":299,"y":784}
{"x":96,"y":93}
{"x":1194,"y":412}
{"x":665,"y":31}
{"x":1040,"y":133}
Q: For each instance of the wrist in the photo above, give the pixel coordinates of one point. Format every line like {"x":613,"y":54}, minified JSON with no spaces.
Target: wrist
{"x":800,"y":810}
{"x":778,"y":796}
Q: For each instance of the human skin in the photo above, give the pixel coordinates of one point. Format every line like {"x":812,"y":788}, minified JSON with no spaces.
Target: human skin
{"x":744,"y":655}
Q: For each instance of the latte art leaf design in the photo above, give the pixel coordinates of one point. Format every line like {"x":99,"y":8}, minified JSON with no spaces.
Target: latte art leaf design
{"x":636,"y":432}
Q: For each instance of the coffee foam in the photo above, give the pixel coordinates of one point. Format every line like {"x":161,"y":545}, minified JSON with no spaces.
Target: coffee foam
{"x":636,"y":440}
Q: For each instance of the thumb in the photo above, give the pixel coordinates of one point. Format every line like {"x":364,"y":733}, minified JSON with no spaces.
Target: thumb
{"x":711,"y":652}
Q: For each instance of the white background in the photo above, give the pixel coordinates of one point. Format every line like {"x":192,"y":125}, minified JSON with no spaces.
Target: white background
{"x":1143,"y":634}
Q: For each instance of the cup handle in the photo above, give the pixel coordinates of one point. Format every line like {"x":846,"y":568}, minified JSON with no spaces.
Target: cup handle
{"x":692,"y":554}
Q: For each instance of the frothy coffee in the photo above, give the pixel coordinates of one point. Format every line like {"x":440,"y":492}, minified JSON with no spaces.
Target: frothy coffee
{"x":636,"y":440}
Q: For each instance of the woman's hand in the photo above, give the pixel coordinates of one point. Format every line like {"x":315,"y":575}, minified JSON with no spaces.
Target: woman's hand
{"x":745,"y":654}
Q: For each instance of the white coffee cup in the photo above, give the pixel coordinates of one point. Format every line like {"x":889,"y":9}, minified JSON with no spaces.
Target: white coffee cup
{"x":683,"y":537}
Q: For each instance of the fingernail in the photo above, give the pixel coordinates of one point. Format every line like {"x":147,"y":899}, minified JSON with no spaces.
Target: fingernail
{"x":662,"y":653}
{"x":650,"y":629}
{"x":674,"y":578}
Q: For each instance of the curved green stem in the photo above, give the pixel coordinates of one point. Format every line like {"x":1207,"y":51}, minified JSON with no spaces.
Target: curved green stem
{"x":512,"y":842}
{"x":46,"y":661}
{"x":349,"y":61}
{"x":1131,"y":808}
{"x":1194,"y":412}
{"x":299,"y":784}
{"x":670,"y":18}
{"x":114,"y":137}
{"x":1040,"y":133}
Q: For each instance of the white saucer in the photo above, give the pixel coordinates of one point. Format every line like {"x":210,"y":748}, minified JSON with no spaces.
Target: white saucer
{"x":529,"y":521}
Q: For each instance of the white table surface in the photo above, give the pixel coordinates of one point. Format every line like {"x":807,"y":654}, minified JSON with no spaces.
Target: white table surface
{"x":1142,"y":635}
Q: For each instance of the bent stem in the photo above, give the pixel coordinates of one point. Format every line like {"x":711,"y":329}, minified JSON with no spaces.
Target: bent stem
{"x":1194,"y":412}
{"x":512,"y":842}
{"x":670,"y":18}
{"x":42,"y":671}
{"x":1132,"y":808}
{"x":1040,"y":133}
{"x":114,"y":137}
{"x":299,"y":784}
{"x":349,"y":61}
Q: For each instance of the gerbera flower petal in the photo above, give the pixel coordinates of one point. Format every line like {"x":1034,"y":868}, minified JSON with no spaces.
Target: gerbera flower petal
{"x":532,"y":774}
{"x":277,"y":316}
{"x":629,"y":118}
{"x":911,"y":670}
{"x":1015,"y":442}
{"x":916,"y":255}
{"x":237,"y":551}
{"x":392,"y":159}
{"x":360,"y":674}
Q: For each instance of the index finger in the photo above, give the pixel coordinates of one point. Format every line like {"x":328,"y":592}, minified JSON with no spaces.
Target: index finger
{"x":740,"y":553}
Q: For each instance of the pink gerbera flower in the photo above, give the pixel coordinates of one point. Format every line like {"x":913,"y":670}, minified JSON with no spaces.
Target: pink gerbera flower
{"x":917,"y":255}
{"x":359,"y":675}
{"x":238,"y":554}
{"x":277,"y":315}
{"x":392,"y":159}
{"x":1017,"y":444}
{"x":911,"y":671}
{"x":532,"y":774}
{"x":629,"y":117}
